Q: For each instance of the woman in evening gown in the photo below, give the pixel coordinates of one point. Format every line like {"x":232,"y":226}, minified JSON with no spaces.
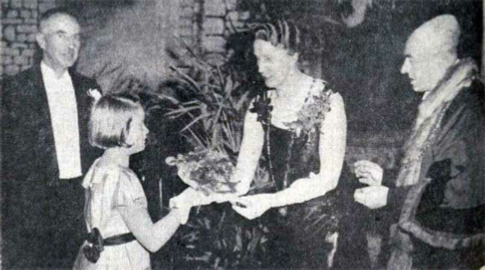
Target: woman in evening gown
{"x":297,"y":131}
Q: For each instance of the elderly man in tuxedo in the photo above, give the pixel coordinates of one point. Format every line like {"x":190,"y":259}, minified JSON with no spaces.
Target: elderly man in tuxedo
{"x":438,"y":195}
{"x":45,"y":151}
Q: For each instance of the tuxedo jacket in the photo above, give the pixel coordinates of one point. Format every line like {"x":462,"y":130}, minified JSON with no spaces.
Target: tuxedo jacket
{"x":29,"y":162}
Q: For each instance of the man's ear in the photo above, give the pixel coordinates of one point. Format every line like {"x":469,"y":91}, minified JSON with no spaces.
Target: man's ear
{"x":40,"y":40}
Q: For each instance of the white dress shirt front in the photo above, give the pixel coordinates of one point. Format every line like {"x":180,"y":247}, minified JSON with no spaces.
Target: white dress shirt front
{"x":64,"y":117}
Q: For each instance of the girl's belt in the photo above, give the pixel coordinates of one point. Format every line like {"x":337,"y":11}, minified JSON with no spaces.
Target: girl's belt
{"x":119,"y":239}
{"x":93,"y":250}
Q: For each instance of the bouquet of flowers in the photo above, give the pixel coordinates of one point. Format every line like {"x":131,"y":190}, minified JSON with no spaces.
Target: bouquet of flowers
{"x":207,"y":170}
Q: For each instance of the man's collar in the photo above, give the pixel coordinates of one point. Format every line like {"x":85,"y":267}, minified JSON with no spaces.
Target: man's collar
{"x":426,"y":94}
{"x":456,"y":78}
{"x":48,"y":72}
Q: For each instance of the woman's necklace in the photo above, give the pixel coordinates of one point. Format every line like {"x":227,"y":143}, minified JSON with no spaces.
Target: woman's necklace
{"x":267,"y":128}
{"x":294,"y":136}
{"x":287,"y":106}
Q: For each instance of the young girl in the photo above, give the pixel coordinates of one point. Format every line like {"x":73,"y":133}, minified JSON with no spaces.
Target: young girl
{"x":120,"y":229}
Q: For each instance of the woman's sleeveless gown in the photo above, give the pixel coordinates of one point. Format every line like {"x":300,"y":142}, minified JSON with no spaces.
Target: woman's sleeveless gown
{"x":303,"y":235}
{"x":307,"y":235}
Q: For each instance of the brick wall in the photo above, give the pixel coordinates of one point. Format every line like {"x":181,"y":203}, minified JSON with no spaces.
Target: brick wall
{"x":19,"y":25}
{"x":204,"y":24}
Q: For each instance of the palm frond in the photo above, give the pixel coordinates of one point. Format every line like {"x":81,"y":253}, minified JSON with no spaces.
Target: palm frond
{"x":198,"y":118}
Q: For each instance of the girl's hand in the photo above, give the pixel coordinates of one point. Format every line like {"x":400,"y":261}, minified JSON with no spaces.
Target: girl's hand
{"x":186,"y":200}
{"x":182,"y":214}
{"x":252,"y":206}
{"x":242,"y":188}
{"x":191,"y":197}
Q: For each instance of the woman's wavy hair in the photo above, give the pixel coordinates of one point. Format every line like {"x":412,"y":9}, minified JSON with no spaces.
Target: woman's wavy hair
{"x":281,"y":33}
{"x":110,"y":122}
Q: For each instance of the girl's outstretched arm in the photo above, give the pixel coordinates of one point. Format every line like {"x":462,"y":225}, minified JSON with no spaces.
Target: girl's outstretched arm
{"x":133,"y":210}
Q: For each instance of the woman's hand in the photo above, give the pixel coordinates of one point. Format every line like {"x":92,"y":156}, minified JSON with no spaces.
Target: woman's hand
{"x":252,"y":206}
{"x":368,"y":172}
{"x":373,"y":197}
{"x":242,"y":188}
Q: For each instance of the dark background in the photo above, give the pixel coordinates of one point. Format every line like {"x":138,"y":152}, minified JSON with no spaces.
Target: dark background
{"x":363,"y":62}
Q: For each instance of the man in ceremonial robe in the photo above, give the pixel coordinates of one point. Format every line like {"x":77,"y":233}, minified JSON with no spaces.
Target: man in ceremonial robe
{"x":438,"y":196}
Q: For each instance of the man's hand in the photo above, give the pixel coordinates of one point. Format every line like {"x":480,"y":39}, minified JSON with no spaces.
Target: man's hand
{"x":373,"y":197}
{"x":368,"y":172}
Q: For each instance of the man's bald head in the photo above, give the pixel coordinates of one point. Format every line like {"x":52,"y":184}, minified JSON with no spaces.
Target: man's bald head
{"x":430,"y":51}
{"x":440,"y":34}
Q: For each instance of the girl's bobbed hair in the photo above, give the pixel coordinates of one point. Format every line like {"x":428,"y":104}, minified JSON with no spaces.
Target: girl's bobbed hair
{"x":111,"y":118}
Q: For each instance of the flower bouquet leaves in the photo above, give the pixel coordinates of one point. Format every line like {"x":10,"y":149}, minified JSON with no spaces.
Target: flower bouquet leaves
{"x":207,"y":170}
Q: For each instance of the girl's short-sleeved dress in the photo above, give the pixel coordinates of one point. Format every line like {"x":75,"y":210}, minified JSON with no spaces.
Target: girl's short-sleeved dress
{"x":109,"y":189}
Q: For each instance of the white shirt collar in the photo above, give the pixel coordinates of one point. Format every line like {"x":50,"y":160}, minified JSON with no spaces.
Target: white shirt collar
{"x":50,"y":74}
{"x":61,"y":99}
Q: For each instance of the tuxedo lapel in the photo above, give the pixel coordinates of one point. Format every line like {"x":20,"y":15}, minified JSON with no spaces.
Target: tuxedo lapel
{"x":81,"y":100}
{"x":36,"y":121}
{"x":37,"y":94}
{"x":42,"y":132}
